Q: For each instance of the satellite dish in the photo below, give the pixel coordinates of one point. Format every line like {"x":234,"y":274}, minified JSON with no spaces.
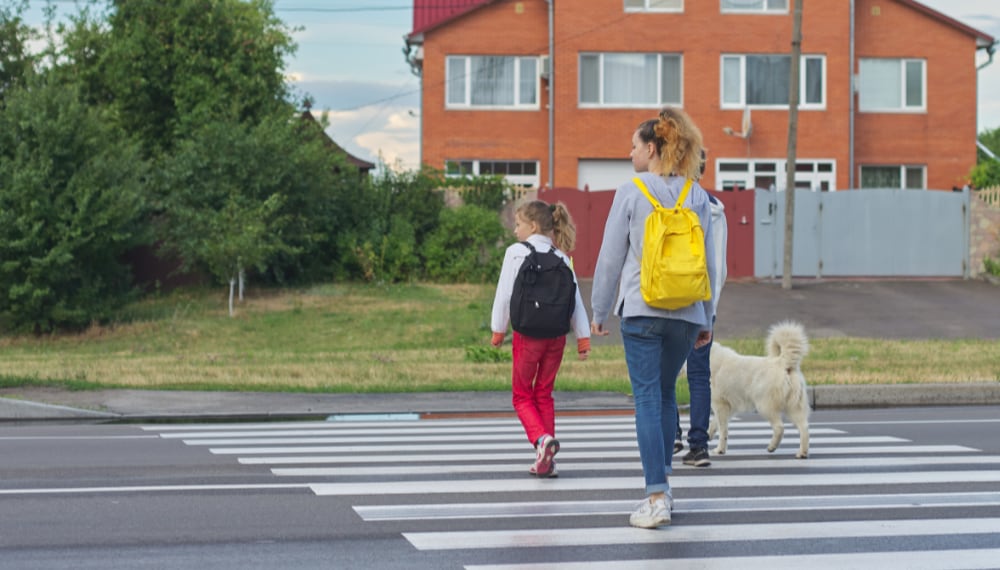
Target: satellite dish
{"x":746,"y":127}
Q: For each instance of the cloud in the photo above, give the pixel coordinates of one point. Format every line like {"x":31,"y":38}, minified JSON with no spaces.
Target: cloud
{"x":388,"y":134}
{"x":338,"y":94}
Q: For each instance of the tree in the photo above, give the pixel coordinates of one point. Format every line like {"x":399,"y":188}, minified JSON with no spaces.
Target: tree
{"x":71,"y":204}
{"x":986,"y":173}
{"x":16,"y":62}
{"x":170,"y":67}
{"x":218,"y":207}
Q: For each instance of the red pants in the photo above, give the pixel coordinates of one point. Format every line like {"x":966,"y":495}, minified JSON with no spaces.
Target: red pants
{"x":536,"y":361}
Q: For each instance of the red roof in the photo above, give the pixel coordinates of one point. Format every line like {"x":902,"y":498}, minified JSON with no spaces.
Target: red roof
{"x":428,"y":14}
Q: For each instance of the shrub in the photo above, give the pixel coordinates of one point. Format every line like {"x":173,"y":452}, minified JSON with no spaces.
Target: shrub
{"x":991,"y":266}
{"x":467,"y":246}
{"x":486,"y":354}
{"x":489,"y":192}
{"x":71,"y":205}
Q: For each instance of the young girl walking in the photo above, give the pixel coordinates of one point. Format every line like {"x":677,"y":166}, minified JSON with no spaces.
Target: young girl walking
{"x":537,"y":360}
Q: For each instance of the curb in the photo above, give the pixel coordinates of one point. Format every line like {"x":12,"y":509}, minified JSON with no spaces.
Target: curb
{"x":904,"y":395}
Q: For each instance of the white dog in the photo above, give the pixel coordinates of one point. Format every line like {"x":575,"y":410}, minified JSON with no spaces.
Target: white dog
{"x":771,"y":385}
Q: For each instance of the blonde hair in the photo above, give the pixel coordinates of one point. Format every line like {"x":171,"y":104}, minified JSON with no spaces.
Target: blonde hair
{"x":552,"y":219}
{"x":678,"y":142}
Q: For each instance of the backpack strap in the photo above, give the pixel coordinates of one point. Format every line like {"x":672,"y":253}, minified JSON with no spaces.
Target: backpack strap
{"x":684,"y":193}
{"x":680,"y":199}
{"x":642,"y":186}
{"x":532,"y":248}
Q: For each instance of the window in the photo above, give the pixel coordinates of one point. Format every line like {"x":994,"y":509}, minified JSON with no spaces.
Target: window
{"x":761,"y":6}
{"x":762,"y":80}
{"x":892,"y":85}
{"x":518,"y":172}
{"x":630,"y":79}
{"x":654,"y":5}
{"x":492,"y":82}
{"x":909,"y":177}
{"x":740,"y":174}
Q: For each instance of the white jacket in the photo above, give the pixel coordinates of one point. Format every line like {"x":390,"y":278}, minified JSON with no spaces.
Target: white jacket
{"x":720,"y":236}
{"x":512,"y":261}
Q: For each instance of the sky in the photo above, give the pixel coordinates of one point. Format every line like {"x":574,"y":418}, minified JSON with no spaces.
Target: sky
{"x":350,"y":61}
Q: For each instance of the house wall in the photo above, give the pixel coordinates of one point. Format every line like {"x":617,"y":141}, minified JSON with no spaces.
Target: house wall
{"x":942,"y":138}
{"x":499,"y":28}
{"x":700,"y":35}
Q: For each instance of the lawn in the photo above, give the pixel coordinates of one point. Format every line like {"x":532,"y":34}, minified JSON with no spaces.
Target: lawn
{"x":398,"y":338}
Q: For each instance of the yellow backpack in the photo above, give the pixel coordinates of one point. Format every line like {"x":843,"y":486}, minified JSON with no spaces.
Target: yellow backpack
{"x":674,"y":273}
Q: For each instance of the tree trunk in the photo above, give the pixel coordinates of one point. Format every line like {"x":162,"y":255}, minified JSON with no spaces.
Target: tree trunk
{"x":232,"y":285}
{"x":793,"y":127}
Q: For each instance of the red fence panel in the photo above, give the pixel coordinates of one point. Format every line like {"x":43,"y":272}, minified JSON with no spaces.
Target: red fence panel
{"x":590,"y":212}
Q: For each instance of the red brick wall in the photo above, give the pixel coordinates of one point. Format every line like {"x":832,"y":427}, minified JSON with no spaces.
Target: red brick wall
{"x":943,"y":138}
{"x":496,"y":29}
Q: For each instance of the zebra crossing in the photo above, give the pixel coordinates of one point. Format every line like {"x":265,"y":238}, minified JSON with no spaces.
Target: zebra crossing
{"x":461,"y":486}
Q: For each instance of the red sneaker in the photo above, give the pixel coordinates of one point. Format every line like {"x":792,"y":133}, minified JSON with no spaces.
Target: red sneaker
{"x":547,"y":450}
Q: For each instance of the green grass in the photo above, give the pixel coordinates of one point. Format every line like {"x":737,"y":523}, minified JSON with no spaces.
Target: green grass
{"x":355,"y":338}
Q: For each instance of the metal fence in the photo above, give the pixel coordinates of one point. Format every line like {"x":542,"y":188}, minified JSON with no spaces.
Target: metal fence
{"x":870,"y":232}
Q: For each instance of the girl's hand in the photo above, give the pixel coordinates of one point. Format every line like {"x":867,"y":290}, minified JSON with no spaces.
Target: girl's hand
{"x":497,"y":339}
{"x":597,"y":329}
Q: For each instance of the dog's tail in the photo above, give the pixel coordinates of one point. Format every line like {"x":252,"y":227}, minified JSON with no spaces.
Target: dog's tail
{"x":787,"y":341}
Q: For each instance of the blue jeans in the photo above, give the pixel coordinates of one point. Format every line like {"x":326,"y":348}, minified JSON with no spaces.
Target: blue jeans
{"x":699,"y":383}
{"x":655,"y":350}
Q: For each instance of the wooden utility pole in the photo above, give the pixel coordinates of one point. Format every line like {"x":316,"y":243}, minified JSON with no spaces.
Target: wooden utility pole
{"x":793,"y":127}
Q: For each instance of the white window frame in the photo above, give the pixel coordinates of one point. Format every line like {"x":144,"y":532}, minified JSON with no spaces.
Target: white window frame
{"x":742,"y":59}
{"x":903,"y":108}
{"x":466,"y":104}
{"x":903,"y":168}
{"x":764,"y":9}
{"x":473,"y":167}
{"x":814,"y":174}
{"x":646,"y":7}
{"x":659,"y":82}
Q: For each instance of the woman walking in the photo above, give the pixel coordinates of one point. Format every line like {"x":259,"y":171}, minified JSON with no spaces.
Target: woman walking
{"x":665,"y":155}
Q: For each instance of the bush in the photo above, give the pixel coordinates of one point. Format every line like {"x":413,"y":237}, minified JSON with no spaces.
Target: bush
{"x":71,"y":205}
{"x":467,"y":246}
{"x":391,"y":257}
{"x":489,"y":192}
{"x":486,"y":354}
{"x":991,"y":266}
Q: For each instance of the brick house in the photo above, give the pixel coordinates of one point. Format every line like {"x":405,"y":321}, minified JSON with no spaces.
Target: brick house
{"x":490,"y":71}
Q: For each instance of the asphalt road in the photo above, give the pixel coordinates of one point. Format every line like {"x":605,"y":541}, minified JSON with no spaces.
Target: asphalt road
{"x":895,"y":309}
{"x":911,"y":484}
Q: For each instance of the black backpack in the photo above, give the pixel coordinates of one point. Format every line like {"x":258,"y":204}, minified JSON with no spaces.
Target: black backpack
{"x":544,"y":295}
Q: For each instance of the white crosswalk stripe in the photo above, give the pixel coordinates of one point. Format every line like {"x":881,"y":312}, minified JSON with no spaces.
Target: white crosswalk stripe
{"x":443,"y":464}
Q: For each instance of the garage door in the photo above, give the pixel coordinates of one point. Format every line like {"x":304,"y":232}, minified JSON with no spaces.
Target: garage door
{"x":603,"y":175}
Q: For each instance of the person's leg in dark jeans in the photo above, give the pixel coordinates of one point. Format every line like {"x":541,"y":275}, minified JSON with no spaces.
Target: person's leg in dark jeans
{"x":699,"y":383}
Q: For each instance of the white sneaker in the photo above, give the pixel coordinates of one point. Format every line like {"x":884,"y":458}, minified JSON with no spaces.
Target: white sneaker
{"x":650,"y":515}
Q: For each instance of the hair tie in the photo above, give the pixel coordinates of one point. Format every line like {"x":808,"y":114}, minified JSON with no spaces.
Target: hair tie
{"x":552,"y":208}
